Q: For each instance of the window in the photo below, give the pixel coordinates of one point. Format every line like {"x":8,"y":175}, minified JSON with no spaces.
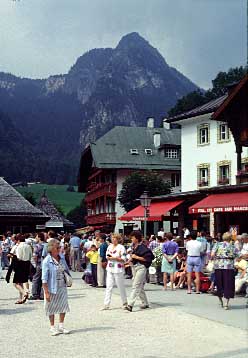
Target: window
{"x":224,"y":134}
{"x":175,"y":179}
{"x":134,"y":151}
{"x":245,"y":167}
{"x":171,"y":153}
{"x":148,"y":151}
{"x":224,"y":174}
{"x":203,"y":134}
{"x":203,"y":175}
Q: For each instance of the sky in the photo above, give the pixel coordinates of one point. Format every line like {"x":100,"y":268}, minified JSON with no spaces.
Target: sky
{"x":39,"y":38}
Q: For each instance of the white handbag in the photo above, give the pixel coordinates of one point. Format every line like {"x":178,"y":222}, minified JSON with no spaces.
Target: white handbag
{"x":68,"y":279}
{"x":210,"y":266}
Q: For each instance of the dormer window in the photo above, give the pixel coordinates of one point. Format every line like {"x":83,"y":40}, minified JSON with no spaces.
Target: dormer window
{"x":171,"y":153}
{"x":148,"y":151}
{"x":134,"y":151}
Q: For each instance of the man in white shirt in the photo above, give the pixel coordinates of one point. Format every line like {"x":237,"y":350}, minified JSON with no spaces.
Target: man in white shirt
{"x":24,"y":254}
{"x":194,"y":249}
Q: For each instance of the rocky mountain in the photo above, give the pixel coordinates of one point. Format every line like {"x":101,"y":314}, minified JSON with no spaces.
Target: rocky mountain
{"x":56,"y":117}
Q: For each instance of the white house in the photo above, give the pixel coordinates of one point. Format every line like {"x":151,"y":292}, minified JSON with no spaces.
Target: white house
{"x":208,"y":152}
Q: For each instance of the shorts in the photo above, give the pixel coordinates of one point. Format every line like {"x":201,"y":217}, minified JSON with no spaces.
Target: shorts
{"x":194,"y":263}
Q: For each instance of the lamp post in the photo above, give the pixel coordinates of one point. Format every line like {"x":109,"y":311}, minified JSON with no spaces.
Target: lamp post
{"x":145,"y":202}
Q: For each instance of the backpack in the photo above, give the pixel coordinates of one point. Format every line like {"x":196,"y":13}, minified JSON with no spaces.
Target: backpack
{"x":149,"y":256}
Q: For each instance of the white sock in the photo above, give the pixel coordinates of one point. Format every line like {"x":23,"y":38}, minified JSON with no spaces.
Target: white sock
{"x":61,"y":325}
{"x":52,"y":327}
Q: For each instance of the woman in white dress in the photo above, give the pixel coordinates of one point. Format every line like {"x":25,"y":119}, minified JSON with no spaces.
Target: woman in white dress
{"x":116,"y":256}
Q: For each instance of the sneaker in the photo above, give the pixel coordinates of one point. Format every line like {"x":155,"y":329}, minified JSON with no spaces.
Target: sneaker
{"x":33,"y":298}
{"x":128,"y":308}
{"x":143,"y":306}
{"x":124,"y":305}
{"x":62,"y":330}
{"x":105,"y":308}
{"x":54,"y":331}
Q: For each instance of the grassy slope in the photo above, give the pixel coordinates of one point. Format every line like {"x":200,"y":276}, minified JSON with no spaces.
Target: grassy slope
{"x":56,"y":193}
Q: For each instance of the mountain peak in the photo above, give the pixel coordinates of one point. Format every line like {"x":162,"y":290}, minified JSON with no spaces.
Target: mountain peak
{"x":132,"y":40}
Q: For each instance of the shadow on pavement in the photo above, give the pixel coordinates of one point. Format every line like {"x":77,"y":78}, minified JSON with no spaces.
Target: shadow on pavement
{"x":238,"y":307}
{"x":228,"y":354}
{"x":15,"y":311}
{"x":71,"y":297}
{"x":91,"y":329}
{"x":165,"y":304}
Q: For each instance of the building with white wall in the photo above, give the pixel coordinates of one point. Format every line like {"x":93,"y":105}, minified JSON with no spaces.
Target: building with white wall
{"x":214,"y":165}
{"x":208,"y":150}
{"x":107,"y":162}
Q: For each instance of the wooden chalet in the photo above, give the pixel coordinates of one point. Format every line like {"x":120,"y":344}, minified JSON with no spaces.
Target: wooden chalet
{"x":234,"y":112}
{"x":16,"y":213}
{"x":106,"y":163}
{"x":57,"y":221}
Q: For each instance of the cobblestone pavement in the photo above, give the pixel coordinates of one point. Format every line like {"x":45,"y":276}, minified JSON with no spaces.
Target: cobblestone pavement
{"x":175,"y":326}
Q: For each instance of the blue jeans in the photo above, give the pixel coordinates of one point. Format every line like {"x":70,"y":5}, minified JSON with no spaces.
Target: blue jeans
{"x":5,"y":260}
{"x":37,"y":290}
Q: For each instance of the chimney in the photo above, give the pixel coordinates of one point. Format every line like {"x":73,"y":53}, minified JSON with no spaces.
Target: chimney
{"x":166,"y":125}
{"x":150,"y":122}
{"x":156,"y":139}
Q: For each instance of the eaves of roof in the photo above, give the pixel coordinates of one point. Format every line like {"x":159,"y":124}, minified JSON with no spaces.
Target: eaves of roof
{"x":200,"y":110}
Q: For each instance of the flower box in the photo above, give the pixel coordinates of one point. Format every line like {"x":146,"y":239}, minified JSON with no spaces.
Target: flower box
{"x":203,"y":183}
{"x":223,"y":181}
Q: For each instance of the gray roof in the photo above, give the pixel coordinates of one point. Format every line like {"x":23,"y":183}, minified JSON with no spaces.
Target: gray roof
{"x":48,"y":208}
{"x":13,"y":203}
{"x":205,"y":108}
{"x":113,"y":149}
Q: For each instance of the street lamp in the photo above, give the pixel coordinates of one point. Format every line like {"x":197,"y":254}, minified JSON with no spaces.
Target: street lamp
{"x":145,"y":202}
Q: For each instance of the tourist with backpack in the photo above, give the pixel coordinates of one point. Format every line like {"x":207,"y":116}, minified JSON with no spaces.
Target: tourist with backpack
{"x":141,"y":260}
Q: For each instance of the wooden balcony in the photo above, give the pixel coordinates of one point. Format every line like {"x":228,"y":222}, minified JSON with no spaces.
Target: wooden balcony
{"x":103,"y":218}
{"x":98,"y":190}
{"x":242,"y":177}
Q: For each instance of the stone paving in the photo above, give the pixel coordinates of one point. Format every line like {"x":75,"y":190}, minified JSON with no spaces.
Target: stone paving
{"x":177,"y":325}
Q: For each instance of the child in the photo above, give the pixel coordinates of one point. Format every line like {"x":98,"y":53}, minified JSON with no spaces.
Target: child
{"x":93,"y":257}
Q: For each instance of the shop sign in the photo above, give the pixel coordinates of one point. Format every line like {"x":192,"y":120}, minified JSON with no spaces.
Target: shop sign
{"x":228,"y":209}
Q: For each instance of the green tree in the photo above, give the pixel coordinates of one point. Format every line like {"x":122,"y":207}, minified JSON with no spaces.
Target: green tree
{"x":136,"y":183}
{"x":219,"y":88}
{"x":30,"y":197}
{"x":223,"y":79}
{"x":78,"y":214}
{"x":186,"y":103}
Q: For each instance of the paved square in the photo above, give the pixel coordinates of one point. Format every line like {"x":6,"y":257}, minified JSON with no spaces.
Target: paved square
{"x":177,"y":325}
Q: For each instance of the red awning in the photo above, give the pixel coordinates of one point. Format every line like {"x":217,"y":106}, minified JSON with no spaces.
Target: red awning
{"x":221,"y":203}
{"x":157,"y":210}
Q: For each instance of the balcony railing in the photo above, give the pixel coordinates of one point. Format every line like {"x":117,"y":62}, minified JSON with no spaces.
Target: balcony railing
{"x":242,"y":177}
{"x":99,"y":190}
{"x":103,"y":218}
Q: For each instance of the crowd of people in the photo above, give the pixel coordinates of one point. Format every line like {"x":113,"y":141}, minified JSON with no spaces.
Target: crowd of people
{"x":196,"y":262}
{"x":217,"y":265}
